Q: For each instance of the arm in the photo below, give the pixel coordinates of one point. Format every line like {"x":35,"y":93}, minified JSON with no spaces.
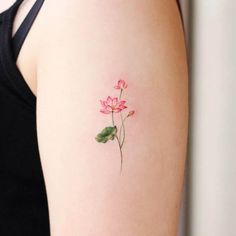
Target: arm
{"x":87,"y":48}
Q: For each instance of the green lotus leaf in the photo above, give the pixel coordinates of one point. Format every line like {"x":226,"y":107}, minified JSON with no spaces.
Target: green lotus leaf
{"x":106,"y":134}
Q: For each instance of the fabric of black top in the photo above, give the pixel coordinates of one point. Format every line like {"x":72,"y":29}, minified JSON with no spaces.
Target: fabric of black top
{"x":23,"y":199}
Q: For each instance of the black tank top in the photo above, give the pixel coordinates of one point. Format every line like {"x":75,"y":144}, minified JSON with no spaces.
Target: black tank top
{"x":23,"y":199}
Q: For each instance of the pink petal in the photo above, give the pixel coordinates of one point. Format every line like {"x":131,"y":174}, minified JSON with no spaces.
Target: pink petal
{"x":103,"y":103}
{"x":109,"y":108}
{"x":131,"y":113}
{"x":120,"y":108}
{"x":115,"y":101}
{"x":105,"y":111}
{"x":109,"y":100}
{"x":122,"y":102}
{"x":120,"y":82}
{"x":117,"y":110}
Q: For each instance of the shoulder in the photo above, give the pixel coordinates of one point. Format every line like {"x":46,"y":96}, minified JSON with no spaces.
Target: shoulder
{"x":69,"y":27}
{"x":65,"y":11}
{"x":66,"y":17}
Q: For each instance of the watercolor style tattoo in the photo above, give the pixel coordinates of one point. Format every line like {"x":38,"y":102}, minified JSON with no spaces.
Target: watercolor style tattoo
{"x":111,"y":106}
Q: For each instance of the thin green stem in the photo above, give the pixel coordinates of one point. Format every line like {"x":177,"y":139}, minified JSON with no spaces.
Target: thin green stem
{"x":121,"y":93}
{"x":112,"y":117}
{"x":118,"y":140}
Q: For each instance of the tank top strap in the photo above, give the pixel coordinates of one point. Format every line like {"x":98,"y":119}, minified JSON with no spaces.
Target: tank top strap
{"x":15,"y":5}
{"x":22,"y":31}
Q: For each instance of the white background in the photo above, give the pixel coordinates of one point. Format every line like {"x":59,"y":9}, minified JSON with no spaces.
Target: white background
{"x":209,"y":207}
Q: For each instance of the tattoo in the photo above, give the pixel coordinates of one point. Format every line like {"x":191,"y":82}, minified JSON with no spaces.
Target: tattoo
{"x":111,"y":106}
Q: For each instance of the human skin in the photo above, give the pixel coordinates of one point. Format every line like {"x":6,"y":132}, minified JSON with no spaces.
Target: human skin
{"x":73,"y":56}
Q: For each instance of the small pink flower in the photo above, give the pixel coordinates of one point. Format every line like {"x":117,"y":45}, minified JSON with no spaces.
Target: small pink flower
{"x":121,"y":84}
{"x":112,"y":105}
{"x":131,"y":113}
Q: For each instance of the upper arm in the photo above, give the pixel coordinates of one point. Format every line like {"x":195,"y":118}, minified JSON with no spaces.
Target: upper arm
{"x":87,"y":48}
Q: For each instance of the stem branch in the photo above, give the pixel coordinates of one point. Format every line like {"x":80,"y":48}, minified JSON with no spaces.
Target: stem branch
{"x":121,"y":155}
{"x":123,"y":121}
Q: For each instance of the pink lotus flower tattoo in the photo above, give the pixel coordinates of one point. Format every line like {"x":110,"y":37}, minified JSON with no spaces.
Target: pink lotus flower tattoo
{"x":111,"y":106}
